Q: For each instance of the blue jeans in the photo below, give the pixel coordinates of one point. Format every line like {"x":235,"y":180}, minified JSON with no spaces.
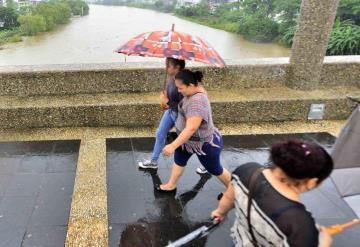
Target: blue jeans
{"x":166,"y":123}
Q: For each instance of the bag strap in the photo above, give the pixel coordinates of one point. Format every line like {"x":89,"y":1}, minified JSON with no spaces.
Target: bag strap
{"x":251,"y":191}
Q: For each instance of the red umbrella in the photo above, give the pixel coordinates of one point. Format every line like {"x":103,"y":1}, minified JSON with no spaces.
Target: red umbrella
{"x":173,"y":44}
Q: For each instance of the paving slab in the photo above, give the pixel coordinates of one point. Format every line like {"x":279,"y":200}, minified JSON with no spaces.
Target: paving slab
{"x":36,"y":185}
{"x":139,"y":216}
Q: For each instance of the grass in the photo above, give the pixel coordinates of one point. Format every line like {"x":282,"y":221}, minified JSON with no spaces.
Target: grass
{"x":10,"y":36}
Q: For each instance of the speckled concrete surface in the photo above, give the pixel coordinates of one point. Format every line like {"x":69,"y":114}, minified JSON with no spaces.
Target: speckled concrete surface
{"x":119,"y":109}
{"x":88,"y":221}
{"x":310,"y":43}
{"x":332,"y":127}
{"x":149,"y":77}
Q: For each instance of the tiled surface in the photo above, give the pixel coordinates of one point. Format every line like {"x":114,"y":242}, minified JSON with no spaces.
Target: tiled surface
{"x":36,"y":184}
{"x":138,"y":216}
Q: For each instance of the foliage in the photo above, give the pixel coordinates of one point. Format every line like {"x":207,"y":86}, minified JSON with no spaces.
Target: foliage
{"x":53,"y":13}
{"x":344,"y":39}
{"x":32,"y":24}
{"x":349,"y":10}
{"x":8,"y":34}
{"x":78,"y":7}
{"x":288,"y":35}
{"x":258,"y":28}
{"x":9,"y":16}
{"x":287,"y":12}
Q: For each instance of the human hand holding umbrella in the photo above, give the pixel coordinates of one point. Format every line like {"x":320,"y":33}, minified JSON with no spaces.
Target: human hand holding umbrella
{"x":174,"y":44}
{"x":338,"y":228}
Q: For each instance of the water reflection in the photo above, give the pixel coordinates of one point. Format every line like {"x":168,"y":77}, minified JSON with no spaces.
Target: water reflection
{"x":172,"y":222}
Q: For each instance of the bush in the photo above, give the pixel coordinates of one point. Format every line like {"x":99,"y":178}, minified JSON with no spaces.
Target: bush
{"x":53,"y":13}
{"x":258,"y":28}
{"x":15,"y":38}
{"x":32,"y":24}
{"x":288,"y":36}
{"x":344,"y":39}
{"x":78,"y":7}
{"x":9,"y":17}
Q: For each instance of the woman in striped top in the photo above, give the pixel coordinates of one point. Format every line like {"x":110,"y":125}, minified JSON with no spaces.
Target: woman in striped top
{"x":276,"y":217}
{"x":197,"y":133}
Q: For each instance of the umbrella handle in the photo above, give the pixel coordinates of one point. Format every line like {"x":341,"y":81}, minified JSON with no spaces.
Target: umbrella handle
{"x":196,"y":234}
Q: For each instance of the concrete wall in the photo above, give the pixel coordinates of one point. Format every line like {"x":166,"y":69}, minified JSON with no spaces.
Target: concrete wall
{"x":147,"y":77}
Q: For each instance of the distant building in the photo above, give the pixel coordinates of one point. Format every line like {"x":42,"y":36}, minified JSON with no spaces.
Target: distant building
{"x":22,"y":3}
{"x":185,"y":3}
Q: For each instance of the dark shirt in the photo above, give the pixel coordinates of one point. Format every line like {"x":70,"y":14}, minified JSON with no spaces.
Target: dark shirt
{"x":173,"y":94}
{"x":276,"y":220}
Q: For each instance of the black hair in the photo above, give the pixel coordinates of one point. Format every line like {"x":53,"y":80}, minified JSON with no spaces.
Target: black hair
{"x":188,"y":77}
{"x":300,"y":159}
{"x":176,"y":62}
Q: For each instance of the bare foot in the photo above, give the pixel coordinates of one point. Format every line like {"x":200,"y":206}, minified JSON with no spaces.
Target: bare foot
{"x":167,"y":187}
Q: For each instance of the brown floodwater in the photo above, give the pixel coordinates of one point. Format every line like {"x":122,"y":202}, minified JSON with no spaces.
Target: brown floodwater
{"x":93,"y":39}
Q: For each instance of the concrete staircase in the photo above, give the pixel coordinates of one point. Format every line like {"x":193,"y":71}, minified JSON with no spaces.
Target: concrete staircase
{"x":142,"y":109}
{"x":93,"y":97}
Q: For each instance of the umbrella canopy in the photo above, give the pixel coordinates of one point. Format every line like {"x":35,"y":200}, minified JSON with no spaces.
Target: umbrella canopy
{"x":173,"y":44}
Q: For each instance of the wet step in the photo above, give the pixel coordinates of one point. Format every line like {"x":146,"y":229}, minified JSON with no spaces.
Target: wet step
{"x":135,"y":209}
{"x":36,"y":186}
{"x":133,"y":109}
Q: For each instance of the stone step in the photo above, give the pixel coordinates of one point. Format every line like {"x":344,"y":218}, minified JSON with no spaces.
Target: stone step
{"x":70,"y":79}
{"x":142,"y":109}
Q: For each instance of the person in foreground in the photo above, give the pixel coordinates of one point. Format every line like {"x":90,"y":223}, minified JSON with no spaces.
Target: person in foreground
{"x":276,"y":217}
{"x":196,"y":132}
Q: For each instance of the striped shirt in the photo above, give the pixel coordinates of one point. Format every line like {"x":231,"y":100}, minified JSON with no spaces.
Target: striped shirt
{"x":197,"y":105}
{"x":276,"y":221}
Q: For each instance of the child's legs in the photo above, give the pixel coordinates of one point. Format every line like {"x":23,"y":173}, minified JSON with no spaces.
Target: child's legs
{"x":166,"y":123}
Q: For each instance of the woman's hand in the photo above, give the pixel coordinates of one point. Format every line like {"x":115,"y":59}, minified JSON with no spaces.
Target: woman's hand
{"x":163,"y":98}
{"x":168,"y":150}
{"x":217,"y":216}
{"x":325,"y":239}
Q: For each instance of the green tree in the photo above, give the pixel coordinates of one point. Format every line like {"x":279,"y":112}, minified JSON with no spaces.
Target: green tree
{"x":349,"y":10}
{"x":9,"y":17}
{"x":32,"y":24}
{"x":256,"y":7}
{"x":54,"y":13}
{"x":258,"y":28}
{"x":79,"y":7}
{"x":287,"y":12}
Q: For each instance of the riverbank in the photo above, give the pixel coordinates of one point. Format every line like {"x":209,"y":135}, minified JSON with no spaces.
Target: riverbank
{"x":213,"y":21}
{"x":10,"y":36}
{"x":267,"y":24}
{"x":37,"y":18}
{"x":221,"y":25}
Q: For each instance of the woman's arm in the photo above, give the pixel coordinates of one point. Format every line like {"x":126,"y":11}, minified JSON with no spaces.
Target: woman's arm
{"x":325,"y":239}
{"x":192,"y":124}
{"x":226,"y":203}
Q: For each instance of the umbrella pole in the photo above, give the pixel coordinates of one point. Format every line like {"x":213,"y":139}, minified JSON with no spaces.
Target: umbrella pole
{"x":194,"y":235}
{"x":165,"y":79}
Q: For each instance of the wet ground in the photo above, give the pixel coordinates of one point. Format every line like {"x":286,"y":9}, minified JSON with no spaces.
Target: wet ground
{"x":37,"y":180}
{"x":138,"y":216}
{"x":36,"y":185}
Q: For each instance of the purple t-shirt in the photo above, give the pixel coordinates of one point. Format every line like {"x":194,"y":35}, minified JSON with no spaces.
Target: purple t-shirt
{"x":173,"y":94}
